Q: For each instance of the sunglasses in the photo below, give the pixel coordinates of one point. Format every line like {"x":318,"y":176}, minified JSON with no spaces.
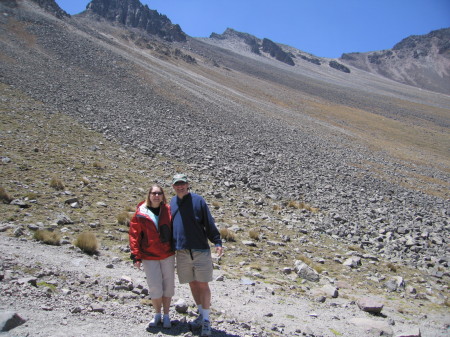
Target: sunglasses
{"x":156,"y":193}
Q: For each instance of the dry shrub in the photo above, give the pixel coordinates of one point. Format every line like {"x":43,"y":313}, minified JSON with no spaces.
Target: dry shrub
{"x":255,"y":266}
{"x":31,"y":195}
{"x":130,"y":209}
{"x":98,"y":166}
{"x":85,"y":181}
{"x":392,"y":267}
{"x":47,"y":237}
{"x":355,"y":248}
{"x":57,"y":184}
{"x":318,"y":268}
{"x":87,"y":242}
{"x":305,"y":259}
{"x":293,"y":204}
{"x":4,"y":196}
{"x":254,"y":234}
{"x":124,"y":218}
{"x":227,"y":234}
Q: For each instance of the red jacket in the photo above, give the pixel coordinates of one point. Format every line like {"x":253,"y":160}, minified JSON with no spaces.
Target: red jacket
{"x":145,"y":243}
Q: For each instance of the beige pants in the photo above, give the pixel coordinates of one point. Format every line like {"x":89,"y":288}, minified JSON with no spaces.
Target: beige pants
{"x":160,"y":277}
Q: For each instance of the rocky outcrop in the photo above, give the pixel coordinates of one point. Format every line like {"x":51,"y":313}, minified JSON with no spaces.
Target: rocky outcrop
{"x":339,"y":66}
{"x":275,"y":50}
{"x":132,"y":13}
{"x":52,"y":7}
{"x":256,"y":45}
{"x":252,"y":41}
{"x":419,"y":60}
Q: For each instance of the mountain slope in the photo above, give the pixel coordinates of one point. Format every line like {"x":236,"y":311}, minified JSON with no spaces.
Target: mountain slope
{"x":364,"y":150}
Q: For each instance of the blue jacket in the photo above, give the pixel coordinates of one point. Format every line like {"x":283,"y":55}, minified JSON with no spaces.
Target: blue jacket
{"x":193,"y":224}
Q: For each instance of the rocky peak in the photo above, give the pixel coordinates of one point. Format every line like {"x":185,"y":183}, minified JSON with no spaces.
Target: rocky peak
{"x":50,"y":6}
{"x":248,"y":39}
{"x":132,"y":13}
{"x":440,"y":38}
{"x":419,"y":60}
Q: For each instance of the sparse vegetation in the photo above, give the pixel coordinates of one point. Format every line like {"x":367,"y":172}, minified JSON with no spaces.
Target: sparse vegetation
{"x":253,"y":234}
{"x":4,"y":196}
{"x":99,"y":166}
{"x":335,"y":332}
{"x":392,"y":267}
{"x":227,"y":234}
{"x":87,"y":242}
{"x":47,"y":237}
{"x":124,"y":218}
{"x":57,"y":184}
{"x":52,"y":287}
{"x":305,"y":259}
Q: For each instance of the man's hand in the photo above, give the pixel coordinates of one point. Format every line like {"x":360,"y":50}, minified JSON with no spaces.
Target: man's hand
{"x":219,"y":251}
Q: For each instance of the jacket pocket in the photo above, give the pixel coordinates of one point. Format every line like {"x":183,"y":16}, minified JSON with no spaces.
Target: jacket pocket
{"x":165,"y":233}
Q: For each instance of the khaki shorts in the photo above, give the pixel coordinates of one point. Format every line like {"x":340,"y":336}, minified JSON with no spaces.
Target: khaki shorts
{"x":194,"y":266}
{"x":160,"y":277}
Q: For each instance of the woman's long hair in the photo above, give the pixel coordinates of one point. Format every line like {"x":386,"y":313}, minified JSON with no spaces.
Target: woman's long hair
{"x":163,"y":199}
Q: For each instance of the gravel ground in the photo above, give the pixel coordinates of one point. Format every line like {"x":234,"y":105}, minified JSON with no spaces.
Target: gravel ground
{"x":86,"y":301}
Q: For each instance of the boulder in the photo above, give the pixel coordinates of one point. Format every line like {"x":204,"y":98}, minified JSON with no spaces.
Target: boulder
{"x":10,"y":320}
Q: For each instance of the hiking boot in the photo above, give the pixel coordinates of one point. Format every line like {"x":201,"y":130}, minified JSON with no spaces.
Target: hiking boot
{"x":197,"y":323}
{"x":166,"y":322}
{"x":155,"y":321}
{"x":206,"y":329}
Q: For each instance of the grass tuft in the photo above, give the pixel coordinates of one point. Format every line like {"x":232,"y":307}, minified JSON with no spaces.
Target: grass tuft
{"x":47,"y":237}
{"x":124,"y":218}
{"x":392,"y":267}
{"x":227,"y":234}
{"x":4,"y":196}
{"x":87,"y":242}
{"x":254,"y":235}
{"x":57,"y":184}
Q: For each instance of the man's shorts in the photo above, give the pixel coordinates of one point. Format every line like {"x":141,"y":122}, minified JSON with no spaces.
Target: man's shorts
{"x":160,"y":277}
{"x":194,"y":265}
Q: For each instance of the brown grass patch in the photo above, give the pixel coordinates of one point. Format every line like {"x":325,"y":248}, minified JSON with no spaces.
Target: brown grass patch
{"x":87,"y":242}
{"x":57,"y":184}
{"x":124,"y":218}
{"x":227,"y":234}
{"x":47,"y":237}
{"x":253,"y":234}
{"x":4,"y":196}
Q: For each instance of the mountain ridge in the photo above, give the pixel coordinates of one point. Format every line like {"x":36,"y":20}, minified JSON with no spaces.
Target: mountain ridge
{"x":322,"y":164}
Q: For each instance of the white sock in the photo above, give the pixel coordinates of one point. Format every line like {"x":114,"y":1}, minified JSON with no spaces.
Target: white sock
{"x":200,"y":309}
{"x":205,"y":314}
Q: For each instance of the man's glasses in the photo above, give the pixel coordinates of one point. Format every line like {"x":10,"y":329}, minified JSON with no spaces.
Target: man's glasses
{"x":156,"y":193}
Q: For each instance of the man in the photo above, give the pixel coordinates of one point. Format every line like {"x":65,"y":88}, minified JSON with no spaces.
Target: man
{"x":193,"y":226}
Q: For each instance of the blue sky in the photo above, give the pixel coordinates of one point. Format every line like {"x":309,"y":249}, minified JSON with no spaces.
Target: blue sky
{"x":325,"y":28}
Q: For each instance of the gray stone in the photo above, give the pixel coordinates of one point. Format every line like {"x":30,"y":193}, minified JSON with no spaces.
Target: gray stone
{"x":371,"y":305}
{"x":10,"y":320}
{"x":306,"y":272}
{"x":181,"y":306}
{"x":381,"y":328}
{"x":415,"y":332}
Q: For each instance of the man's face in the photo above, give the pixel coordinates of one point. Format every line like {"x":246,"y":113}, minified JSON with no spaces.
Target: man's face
{"x":181,"y":188}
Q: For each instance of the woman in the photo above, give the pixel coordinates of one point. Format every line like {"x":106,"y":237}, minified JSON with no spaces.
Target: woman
{"x":150,"y":243}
